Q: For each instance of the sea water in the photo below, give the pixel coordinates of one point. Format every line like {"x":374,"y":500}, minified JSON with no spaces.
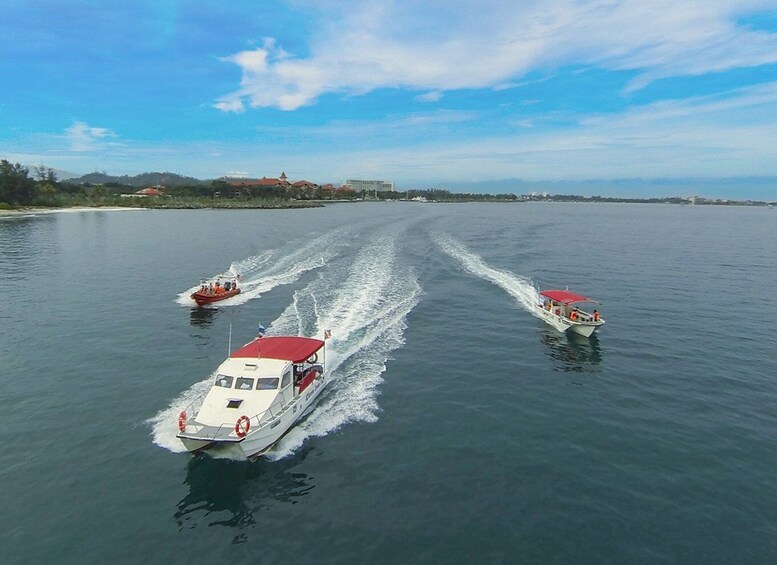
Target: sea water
{"x":458,"y":427}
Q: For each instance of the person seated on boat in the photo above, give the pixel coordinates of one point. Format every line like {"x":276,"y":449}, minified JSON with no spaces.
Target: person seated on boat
{"x":573,"y":314}
{"x":227,"y":286}
{"x":596,"y":315}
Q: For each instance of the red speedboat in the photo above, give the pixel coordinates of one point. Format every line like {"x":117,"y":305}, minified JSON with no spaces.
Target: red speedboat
{"x":213,"y":291}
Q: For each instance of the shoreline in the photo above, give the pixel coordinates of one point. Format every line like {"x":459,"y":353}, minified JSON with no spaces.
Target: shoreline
{"x":44,"y":210}
{"x":41,"y":210}
{"x":35,"y":211}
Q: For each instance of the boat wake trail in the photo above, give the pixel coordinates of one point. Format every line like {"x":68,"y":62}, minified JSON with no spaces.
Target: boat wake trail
{"x":520,"y":288}
{"x":365,"y":303}
{"x":163,"y":424}
{"x":262,"y":273}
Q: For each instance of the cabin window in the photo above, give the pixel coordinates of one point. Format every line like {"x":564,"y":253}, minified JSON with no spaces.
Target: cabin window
{"x":244,"y":383}
{"x":267,"y":383}
{"x":224,"y":381}
{"x":286,"y":379}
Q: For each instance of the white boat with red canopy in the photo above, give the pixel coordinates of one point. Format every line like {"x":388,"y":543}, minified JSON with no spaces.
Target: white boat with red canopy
{"x":559,"y":309}
{"x":259,"y":393}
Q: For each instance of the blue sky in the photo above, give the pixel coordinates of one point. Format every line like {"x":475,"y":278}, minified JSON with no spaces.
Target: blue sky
{"x":422,"y":93}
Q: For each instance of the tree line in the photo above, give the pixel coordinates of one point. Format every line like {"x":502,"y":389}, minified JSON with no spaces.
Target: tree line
{"x":20,"y":187}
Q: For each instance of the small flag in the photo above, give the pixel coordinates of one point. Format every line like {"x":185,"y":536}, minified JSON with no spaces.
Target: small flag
{"x":261,"y":330}
{"x":327,"y":334}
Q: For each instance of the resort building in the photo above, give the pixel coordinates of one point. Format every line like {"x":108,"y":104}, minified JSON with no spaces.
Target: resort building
{"x":370,"y":185}
{"x":145,"y":193}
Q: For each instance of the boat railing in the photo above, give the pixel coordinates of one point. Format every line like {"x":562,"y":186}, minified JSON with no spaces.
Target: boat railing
{"x":225,"y":431}
{"x":228,"y":430}
{"x":194,"y":406}
{"x":269,"y":416}
{"x":583,"y":317}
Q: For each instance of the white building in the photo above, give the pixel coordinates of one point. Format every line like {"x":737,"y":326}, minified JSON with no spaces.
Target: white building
{"x":370,"y":185}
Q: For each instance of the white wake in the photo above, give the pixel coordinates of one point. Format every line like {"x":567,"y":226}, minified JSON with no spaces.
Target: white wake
{"x":164,"y":423}
{"x":520,"y":288}
{"x":262,"y":273}
{"x":365,"y":303}
{"x":366,"y":312}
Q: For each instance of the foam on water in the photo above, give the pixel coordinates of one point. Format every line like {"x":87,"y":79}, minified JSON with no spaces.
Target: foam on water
{"x":249,"y":265}
{"x":365,"y":304}
{"x":163,"y":424}
{"x":262,"y":273}
{"x":520,"y":288}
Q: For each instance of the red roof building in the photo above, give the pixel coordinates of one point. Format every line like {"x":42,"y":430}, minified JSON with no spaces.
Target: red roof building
{"x":150,"y":191}
{"x":262,"y":182}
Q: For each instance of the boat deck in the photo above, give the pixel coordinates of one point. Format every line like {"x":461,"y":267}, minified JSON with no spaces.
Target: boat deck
{"x":202,"y":432}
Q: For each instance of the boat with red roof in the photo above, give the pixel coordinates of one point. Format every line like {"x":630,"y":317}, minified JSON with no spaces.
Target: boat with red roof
{"x":260,"y":391}
{"x":559,"y":309}
{"x":214,"y":290}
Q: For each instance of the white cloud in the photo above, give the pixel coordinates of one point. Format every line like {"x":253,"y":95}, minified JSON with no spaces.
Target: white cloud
{"x":433,"y":96}
{"x":706,"y":137}
{"x":230,"y":104}
{"x":728,"y":134}
{"x":83,"y":137}
{"x":438,"y":46}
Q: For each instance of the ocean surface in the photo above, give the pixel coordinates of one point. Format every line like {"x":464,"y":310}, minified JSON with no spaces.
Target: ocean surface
{"x":458,"y":428}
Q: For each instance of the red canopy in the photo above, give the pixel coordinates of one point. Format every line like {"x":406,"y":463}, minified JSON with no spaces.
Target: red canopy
{"x":294,"y":349}
{"x":565,"y":297}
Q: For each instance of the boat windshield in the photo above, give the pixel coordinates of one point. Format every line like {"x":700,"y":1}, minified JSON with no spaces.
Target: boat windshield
{"x":224,"y":381}
{"x":267,"y":383}
{"x":244,"y":383}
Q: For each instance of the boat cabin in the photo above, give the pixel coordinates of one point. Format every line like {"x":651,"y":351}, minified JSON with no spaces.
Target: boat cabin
{"x":563,"y":303}
{"x":263,"y":376}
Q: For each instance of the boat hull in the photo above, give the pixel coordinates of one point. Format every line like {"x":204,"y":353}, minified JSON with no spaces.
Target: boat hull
{"x":202,"y":298}
{"x":261,"y":438}
{"x":564,"y":324}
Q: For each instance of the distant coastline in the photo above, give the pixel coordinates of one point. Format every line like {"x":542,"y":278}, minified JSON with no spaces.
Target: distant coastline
{"x":19,"y":191}
{"x":30,"y":210}
{"x":292,"y":204}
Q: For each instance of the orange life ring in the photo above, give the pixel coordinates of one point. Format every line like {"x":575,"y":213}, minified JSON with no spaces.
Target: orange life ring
{"x":182,"y":421}
{"x":242,"y":426}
